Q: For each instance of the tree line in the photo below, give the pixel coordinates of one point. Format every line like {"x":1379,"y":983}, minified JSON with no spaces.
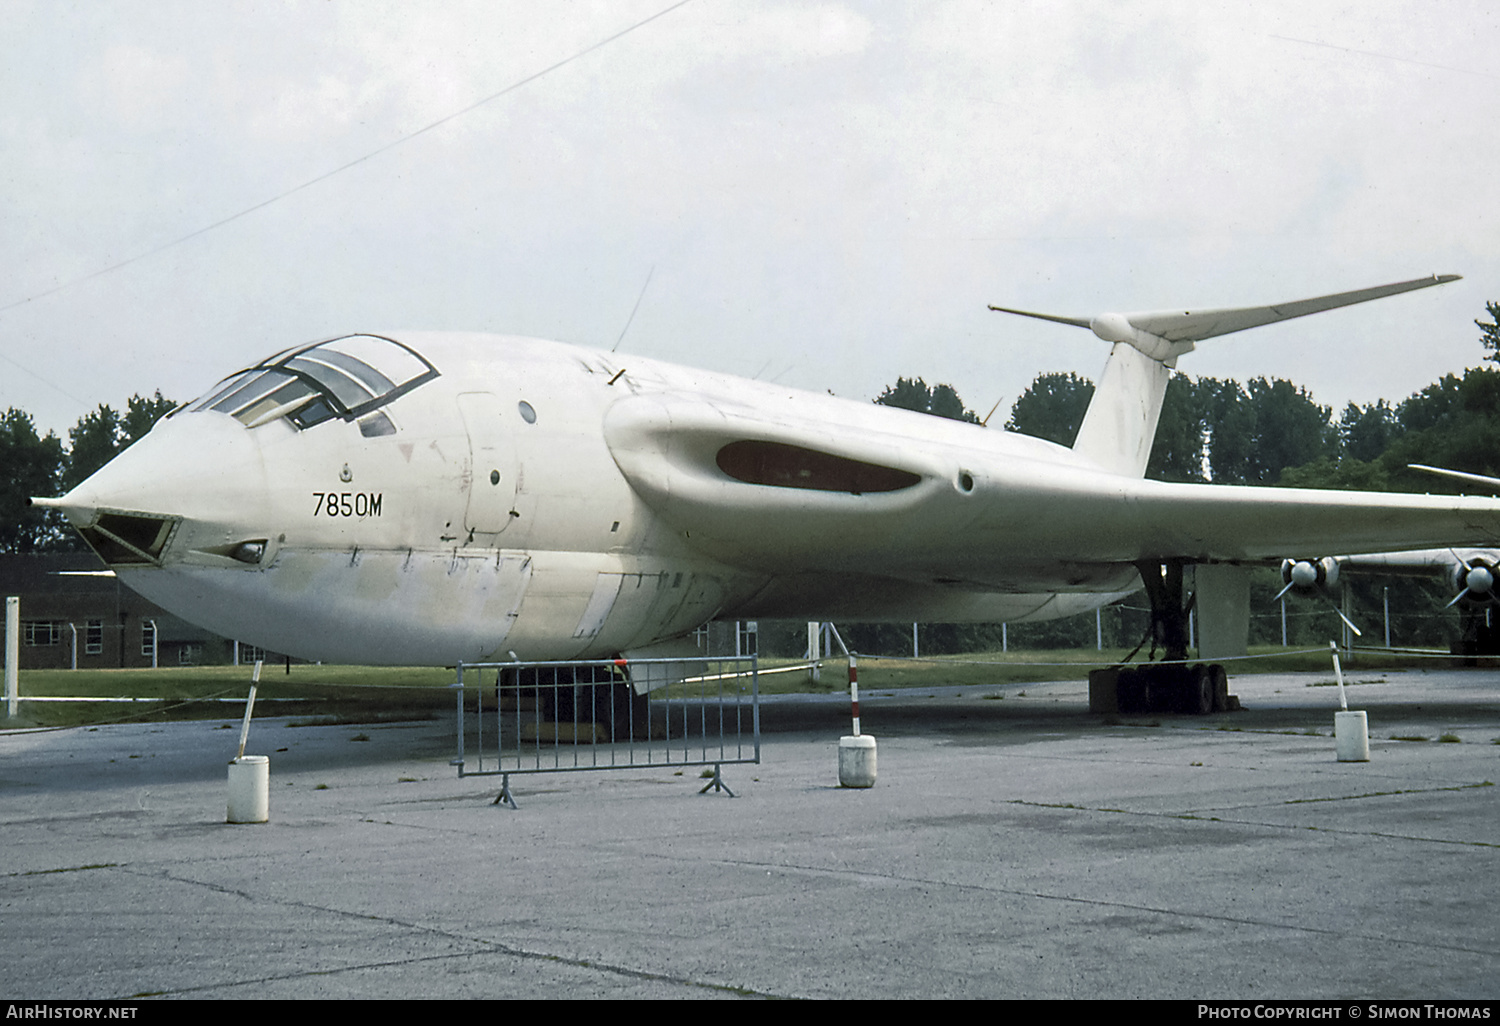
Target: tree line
{"x":1270,"y":431}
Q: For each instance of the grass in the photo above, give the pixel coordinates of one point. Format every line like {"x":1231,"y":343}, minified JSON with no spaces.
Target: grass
{"x":373,"y":694}
{"x":344,"y":694}
{"x":305,"y":680}
{"x":982,"y":668}
{"x":1033,"y":665}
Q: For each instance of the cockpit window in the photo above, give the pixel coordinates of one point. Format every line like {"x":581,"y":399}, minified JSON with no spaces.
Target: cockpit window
{"x":346,"y":377}
{"x":376,"y":424}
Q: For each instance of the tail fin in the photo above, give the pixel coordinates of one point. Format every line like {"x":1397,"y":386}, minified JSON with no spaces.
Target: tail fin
{"x":1120,"y":425}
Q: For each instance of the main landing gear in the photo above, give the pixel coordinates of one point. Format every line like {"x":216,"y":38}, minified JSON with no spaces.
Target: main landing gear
{"x":1480,"y":635}
{"x":1172,"y":684}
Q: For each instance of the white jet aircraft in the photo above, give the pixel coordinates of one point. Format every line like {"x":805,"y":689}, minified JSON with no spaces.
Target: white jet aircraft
{"x":423,"y":498}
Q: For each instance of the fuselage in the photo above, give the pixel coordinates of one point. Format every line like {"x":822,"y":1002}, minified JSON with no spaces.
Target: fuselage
{"x":488,"y":495}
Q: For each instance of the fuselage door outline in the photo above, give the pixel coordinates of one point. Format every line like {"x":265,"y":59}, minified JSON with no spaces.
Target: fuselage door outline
{"x":492,"y":473}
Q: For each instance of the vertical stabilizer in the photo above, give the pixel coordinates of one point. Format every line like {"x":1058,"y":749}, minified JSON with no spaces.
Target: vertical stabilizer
{"x":1120,"y":423}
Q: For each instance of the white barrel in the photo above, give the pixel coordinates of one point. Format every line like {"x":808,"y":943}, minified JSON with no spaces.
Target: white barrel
{"x":250,"y":789}
{"x":857,"y":761}
{"x":1351,"y":736}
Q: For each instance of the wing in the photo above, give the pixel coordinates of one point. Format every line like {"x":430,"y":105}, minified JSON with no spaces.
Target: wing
{"x":876,"y":491}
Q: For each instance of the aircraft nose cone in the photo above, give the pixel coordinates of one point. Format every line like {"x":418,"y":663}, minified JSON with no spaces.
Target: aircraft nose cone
{"x":195,"y":478}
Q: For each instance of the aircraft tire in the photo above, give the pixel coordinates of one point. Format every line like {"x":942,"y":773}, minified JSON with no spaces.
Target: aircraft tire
{"x":1198,"y":690}
{"x":1221,"y":687}
{"x":1130,"y":690}
{"x":1151,"y":689}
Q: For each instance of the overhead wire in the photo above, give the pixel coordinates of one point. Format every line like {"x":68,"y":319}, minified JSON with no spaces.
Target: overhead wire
{"x":338,"y":170}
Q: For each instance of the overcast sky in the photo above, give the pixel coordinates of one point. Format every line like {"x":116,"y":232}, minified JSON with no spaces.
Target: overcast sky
{"x":823,"y":194}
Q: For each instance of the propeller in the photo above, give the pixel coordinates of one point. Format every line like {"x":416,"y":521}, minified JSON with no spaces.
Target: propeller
{"x":1315,"y":577}
{"x":1475,"y":579}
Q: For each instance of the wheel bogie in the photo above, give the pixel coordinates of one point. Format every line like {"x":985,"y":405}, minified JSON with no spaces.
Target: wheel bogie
{"x":1192,"y":688}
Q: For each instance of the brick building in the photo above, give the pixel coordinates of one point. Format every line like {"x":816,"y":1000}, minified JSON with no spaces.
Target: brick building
{"x":75,"y":612}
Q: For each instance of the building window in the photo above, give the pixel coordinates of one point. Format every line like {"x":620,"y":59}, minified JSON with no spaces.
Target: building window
{"x":40,"y":633}
{"x":93,"y":638}
{"x":188,"y":655}
{"x":148,"y":639}
{"x":747,"y":637}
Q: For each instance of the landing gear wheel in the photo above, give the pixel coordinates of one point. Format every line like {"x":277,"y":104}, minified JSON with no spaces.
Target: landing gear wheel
{"x":1221,"y":687}
{"x":1198,"y":690}
{"x":1130,"y":690}
{"x":1195,"y":690}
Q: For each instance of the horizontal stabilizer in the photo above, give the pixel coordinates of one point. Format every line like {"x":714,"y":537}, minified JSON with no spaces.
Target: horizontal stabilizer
{"x":1194,"y":326}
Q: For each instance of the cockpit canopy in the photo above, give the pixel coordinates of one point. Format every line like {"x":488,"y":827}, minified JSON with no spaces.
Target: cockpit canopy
{"x":349,"y":377}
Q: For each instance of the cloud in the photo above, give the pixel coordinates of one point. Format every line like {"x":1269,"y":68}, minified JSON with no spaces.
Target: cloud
{"x":843,"y":186}
{"x":141,"y":86}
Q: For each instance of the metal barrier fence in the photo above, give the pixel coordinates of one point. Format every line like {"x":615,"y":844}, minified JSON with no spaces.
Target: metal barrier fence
{"x":551,"y":717}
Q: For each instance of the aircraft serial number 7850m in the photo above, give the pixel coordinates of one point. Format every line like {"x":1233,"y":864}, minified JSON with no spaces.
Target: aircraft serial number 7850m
{"x":424,"y":498}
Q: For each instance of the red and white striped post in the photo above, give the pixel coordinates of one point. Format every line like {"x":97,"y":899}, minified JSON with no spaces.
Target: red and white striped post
{"x":856,"y":751}
{"x":854,"y":692}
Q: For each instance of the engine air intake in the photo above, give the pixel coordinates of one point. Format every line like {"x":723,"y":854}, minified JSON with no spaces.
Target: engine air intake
{"x":129,"y":538}
{"x":791,"y":466}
